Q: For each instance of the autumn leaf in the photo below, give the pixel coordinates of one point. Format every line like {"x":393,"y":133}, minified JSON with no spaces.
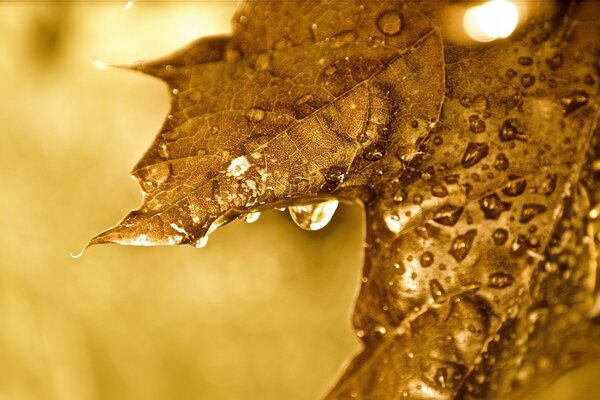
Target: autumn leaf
{"x":475,"y":164}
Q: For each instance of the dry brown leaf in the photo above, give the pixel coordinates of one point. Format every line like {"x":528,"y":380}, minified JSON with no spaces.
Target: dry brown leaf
{"x":475,"y":164}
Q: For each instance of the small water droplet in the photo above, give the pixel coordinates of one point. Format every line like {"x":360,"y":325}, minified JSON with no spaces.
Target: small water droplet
{"x":303,"y":99}
{"x":439,"y":190}
{"x":426,"y":259}
{"x":262,"y":62}
{"x":500,"y":236}
{"x":512,"y":129}
{"x":500,"y":280}
{"x":492,"y":206}
{"x":335,"y":174}
{"x":527,"y":80}
{"x":448,"y":215}
{"x":249,"y":217}
{"x":476,"y":124}
{"x":162,"y":151}
{"x":516,"y":187}
{"x":255,"y":114}
{"x":330,"y":70}
{"x":530,"y":211}
{"x":437,"y":291}
{"x":549,"y":184}
{"x":462,"y":245}
{"x":399,"y":196}
{"x":525,"y":61}
{"x":374,"y":152}
{"x":441,"y":376}
{"x":501,"y":163}
{"x":574,"y":101}
{"x":474,"y":153}
{"x":556,"y":61}
{"x":390,"y":22}
{"x":313,"y":217}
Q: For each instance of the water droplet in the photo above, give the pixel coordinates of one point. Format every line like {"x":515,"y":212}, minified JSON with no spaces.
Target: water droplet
{"x":474,"y":153}
{"x":399,"y":196}
{"x":512,"y":129}
{"x":526,"y":61}
{"x":282,"y":43}
{"x":549,"y":184}
{"x":492,"y":206}
{"x":556,"y":61}
{"x":159,"y":173}
{"x":162,"y":151}
{"x":374,"y":152}
{"x":255,"y":114}
{"x":530,"y":211}
{"x":390,"y":22}
{"x":500,"y":280}
{"x":574,"y":101}
{"x":527,"y":80}
{"x":303,"y":99}
{"x":441,"y":376}
{"x":501,"y":163}
{"x":262,"y":62}
{"x":437,"y":291}
{"x":297,"y":179}
{"x":448,"y":215}
{"x":480,"y":102}
{"x":200,"y":243}
{"x":462,"y":245}
{"x":500,"y":236}
{"x":476,"y":124}
{"x":426,"y":259}
{"x":330,"y":70}
{"x":335,"y":174}
{"x":313,"y":217}
{"x":516,"y":187}
{"x":249,"y":217}
{"x":175,"y":92}
{"x":439,"y":190}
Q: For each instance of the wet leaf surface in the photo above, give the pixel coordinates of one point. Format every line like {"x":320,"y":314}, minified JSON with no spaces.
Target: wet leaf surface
{"x":475,"y":163}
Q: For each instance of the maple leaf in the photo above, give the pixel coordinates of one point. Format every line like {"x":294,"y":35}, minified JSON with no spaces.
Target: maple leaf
{"x":475,"y":164}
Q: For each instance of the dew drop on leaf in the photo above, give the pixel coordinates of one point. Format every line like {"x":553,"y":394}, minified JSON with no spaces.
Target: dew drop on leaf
{"x":474,"y":153}
{"x":200,"y":243}
{"x":500,"y":280}
{"x":390,"y":22}
{"x":249,"y":217}
{"x":313,"y":217}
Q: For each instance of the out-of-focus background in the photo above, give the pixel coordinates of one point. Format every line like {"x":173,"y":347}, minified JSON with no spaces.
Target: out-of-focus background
{"x":261,"y":313}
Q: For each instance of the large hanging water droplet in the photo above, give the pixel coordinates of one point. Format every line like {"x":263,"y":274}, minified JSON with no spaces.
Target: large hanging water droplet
{"x":313,"y":217}
{"x":200,"y":243}
{"x":390,"y":22}
{"x":474,"y":153}
{"x":249,"y":217}
{"x":462,"y":245}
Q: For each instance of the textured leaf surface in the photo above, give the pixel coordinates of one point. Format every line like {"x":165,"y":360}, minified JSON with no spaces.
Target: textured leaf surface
{"x":474,"y":162}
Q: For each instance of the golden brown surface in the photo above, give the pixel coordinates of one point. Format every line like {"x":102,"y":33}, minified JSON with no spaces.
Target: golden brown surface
{"x":261,"y":312}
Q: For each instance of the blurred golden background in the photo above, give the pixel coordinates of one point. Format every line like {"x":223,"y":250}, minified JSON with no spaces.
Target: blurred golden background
{"x":261,"y":313}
